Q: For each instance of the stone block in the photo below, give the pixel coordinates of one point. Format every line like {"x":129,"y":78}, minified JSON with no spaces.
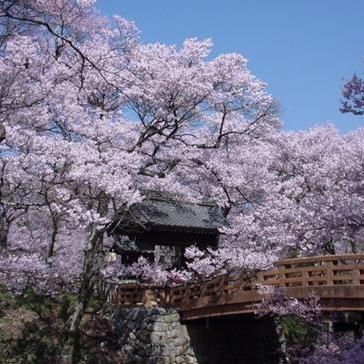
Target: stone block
{"x":154,"y":360}
{"x":161,"y":326}
{"x":154,"y":336}
{"x":166,"y":360}
{"x":172,"y":318}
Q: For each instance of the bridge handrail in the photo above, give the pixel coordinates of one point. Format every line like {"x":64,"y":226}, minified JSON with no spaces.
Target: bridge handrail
{"x":318,"y":258}
{"x":304,"y":273}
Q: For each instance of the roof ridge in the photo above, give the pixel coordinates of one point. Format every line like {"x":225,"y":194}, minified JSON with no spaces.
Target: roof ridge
{"x":170,"y":197}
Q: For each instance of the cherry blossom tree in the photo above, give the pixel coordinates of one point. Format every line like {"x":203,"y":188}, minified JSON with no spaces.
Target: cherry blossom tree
{"x":353,"y":96}
{"x":285,"y":194}
{"x":89,"y":115}
{"x":337,"y":350}
{"x":72,"y":171}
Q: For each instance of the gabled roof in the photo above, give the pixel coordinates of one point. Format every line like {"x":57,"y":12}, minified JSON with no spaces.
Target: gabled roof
{"x":162,"y":212}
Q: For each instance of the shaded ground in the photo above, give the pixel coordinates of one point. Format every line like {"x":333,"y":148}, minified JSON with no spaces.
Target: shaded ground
{"x":31,"y":329}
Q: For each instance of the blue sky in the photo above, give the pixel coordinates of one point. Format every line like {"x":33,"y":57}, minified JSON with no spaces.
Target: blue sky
{"x":303,"y":49}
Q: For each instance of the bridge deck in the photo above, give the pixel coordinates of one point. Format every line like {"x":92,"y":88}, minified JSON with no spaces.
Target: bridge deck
{"x":338,"y":280}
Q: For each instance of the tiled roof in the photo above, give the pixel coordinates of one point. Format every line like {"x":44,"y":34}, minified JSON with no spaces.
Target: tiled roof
{"x":161,"y":213}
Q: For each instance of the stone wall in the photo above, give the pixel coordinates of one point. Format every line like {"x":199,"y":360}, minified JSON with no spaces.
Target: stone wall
{"x":156,"y":336}
{"x":153,"y":336}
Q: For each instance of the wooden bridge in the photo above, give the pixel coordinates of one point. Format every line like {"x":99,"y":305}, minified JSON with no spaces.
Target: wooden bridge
{"x":338,"y":280}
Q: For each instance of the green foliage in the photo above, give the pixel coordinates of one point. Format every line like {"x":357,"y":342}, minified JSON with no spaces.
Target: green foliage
{"x":66,"y":305}
{"x":298,"y":331}
{"x":30,"y":328}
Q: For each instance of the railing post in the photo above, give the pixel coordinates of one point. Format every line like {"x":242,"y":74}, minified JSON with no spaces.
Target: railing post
{"x":356,"y":276}
{"x":304,"y":277}
{"x":330,"y":273}
{"x":281,"y":275}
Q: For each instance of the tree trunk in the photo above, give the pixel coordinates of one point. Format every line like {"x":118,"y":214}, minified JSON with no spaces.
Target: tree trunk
{"x":53,"y":239}
{"x":283,"y":359}
{"x":2,"y":132}
{"x":91,"y":265}
{"x":4,"y":231}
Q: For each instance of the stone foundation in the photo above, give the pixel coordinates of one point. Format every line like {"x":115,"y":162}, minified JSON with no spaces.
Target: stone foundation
{"x":156,"y":336}
{"x":153,"y":336}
